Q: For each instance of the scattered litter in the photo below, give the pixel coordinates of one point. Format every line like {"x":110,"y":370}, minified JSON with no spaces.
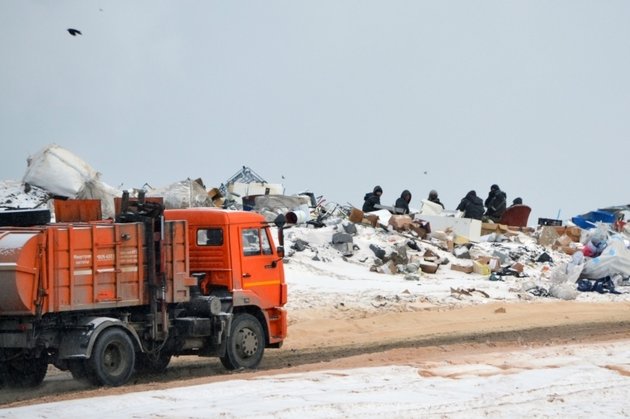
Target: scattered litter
{"x":602,"y":286}
{"x":459,"y":292}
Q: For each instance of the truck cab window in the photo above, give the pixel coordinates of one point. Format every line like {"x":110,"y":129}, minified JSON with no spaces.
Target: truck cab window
{"x":210,"y":237}
{"x":251,"y":242}
{"x":266,"y":247}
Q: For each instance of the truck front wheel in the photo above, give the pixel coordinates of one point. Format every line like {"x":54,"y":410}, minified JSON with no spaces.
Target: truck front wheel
{"x":246,"y":343}
{"x":113,"y":358}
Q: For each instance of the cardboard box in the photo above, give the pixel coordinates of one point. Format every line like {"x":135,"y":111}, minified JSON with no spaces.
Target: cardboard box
{"x":569,"y":250}
{"x":574,"y":233}
{"x":429,"y":267}
{"x":464,"y":227}
{"x":420,"y":231}
{"x":462,"y":268}
{"x":494,"y":263}
{"x":400,"y":222}
{"x":489,"y":228}
{"x":214,"y":193}
{"x":371,"y":219}
{"x":563,"y":241}
{"x":548,"y":236}
{"x":429,"y":253}
{"x":356,"y":215}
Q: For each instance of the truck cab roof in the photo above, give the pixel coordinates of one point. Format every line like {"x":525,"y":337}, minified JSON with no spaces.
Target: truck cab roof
{"x":205,"y":215}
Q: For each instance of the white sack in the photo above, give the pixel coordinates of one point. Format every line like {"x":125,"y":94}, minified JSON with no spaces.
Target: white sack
{"x":566,"y":291}
{"x":568,"y":272}
{"x":99,"y":190}
{"x":430,"y":208}
{"x":184,"y":194}
{"x":59,"y":171}
{"x":62,"y":173}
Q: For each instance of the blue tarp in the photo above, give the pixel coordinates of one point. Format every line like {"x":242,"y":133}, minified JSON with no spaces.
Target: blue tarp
{"x":589,"y":220}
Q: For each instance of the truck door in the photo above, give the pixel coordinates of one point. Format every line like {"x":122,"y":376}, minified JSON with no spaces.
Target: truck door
{"x":261,"y":272}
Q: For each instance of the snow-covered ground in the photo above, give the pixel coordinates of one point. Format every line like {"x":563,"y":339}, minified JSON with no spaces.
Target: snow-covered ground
{"x":578,"y":381}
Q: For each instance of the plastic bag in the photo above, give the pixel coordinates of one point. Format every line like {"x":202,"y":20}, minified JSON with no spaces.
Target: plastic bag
{"x":615,"y":259}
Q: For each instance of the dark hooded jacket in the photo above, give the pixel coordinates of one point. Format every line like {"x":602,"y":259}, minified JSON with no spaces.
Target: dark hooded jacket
{"x":471,"y":205}
{"x":371,"y":199}
{"x":495,"y":203}
{"x":402,"y":203}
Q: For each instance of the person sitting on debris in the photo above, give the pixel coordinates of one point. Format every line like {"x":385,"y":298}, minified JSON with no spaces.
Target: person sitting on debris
{"x":516,"y":201}
{"x":402,"y":204}
{"x":495,"y":203}
{"x":471,"y":205}
{"x":433,"y":197}
{"x":372,"y":198}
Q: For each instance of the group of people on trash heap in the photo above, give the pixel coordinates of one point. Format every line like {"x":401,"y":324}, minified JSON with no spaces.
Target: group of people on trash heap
{"x":471,"y":205}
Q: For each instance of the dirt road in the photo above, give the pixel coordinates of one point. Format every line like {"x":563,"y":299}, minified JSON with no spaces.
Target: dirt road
{"x":330,"y":340}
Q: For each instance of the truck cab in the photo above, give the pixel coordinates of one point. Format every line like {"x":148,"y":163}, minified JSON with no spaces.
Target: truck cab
{"x":233,"y":256}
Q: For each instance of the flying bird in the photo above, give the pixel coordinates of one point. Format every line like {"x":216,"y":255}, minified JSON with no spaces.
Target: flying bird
{"x":74,"y":32}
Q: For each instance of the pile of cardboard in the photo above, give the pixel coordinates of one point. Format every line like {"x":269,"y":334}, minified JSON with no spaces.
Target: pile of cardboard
{"x":566,"y":239}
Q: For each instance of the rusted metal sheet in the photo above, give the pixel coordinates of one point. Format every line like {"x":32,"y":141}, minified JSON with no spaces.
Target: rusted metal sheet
{"x":77,"y":210}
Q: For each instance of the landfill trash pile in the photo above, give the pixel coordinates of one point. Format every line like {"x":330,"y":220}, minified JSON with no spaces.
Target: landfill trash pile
{"x":407,"y":270}
{"x":407,"y":262}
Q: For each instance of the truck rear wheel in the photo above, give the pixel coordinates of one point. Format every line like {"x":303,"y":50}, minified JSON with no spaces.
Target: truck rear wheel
{"x":23,"y":373}
{"x":246,"y":343}
{"x":113,"y":358}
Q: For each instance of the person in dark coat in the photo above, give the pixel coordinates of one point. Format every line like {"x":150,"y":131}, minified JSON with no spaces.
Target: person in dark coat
{"x":402,"y":203}
{"x":495,"y":203}
{"x":372,"y":198}
{"x":433,"y":197}
{"x":471,"y":205}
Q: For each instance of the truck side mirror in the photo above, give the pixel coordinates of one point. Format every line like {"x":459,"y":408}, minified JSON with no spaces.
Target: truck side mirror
{"x":280,"y":222}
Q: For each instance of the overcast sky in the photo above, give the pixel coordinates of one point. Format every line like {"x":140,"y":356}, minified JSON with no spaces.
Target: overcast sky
{"x":336,"y":96}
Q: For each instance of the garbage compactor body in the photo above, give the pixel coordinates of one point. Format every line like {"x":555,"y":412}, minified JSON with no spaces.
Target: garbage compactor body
{"x":65,"y":267}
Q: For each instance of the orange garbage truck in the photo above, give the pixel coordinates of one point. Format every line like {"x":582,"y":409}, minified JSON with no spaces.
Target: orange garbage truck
{"x":109,"y":298}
